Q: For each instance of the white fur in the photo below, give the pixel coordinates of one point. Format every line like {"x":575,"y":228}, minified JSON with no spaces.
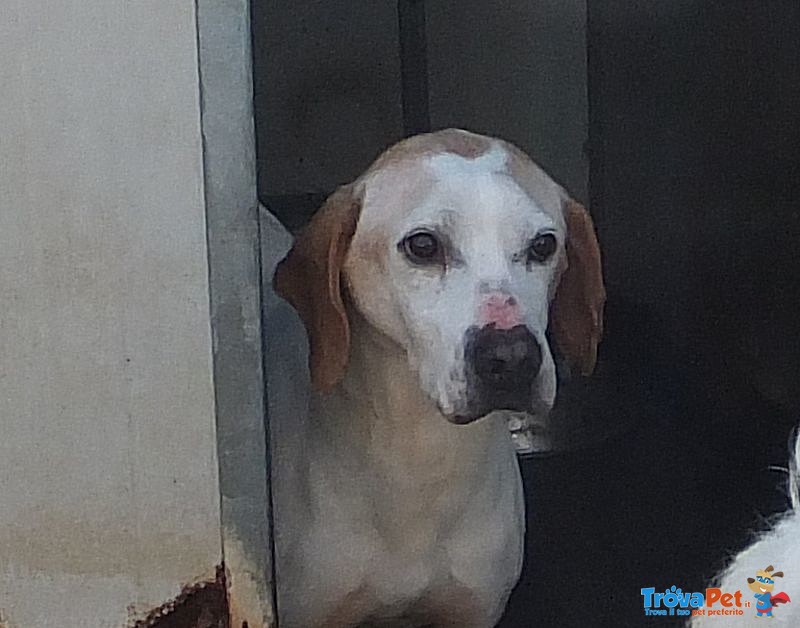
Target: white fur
{"x":450,"y":166}
{"x":380,"y":501}
{"x":780,"y":546}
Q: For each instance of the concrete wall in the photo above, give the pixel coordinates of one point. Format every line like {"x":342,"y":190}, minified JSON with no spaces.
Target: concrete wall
{"x":108,"y":472}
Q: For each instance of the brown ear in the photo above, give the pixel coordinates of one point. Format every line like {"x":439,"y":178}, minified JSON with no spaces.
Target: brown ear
{"x":310,"y":279}
{"x":577,"y":309}
{"x":770,"y":568}
{"x":751,"y":580}
{"x":778,"y":574}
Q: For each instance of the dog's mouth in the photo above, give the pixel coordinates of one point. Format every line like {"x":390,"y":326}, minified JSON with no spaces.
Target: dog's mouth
{"x":520,"y":400}
{"x":482,"y":410}
{"x":528,"y":432}
{"x":463,"y":419}
{"x":528,"y":429}
{"x":515,"y":397}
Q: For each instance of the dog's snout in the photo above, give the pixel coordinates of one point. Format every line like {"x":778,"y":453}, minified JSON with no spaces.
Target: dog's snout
{"x":502,"y":366}
{"x":505,"y":358}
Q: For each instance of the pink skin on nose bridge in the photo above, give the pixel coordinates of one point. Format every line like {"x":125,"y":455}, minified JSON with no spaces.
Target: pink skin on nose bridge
{"x":501,"y":310}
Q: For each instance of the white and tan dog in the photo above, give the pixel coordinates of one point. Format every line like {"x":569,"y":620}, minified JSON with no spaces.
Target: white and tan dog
{"x":426,"y":288}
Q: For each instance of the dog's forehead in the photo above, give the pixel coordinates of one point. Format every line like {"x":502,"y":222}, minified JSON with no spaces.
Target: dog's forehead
{"x":454,"y":165}
{"x":396,"y":189}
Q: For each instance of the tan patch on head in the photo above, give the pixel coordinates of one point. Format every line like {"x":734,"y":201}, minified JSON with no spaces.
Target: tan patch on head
{"x":455,"y":141}
{"x":530,"y":177}
{"x":371,"y":252}
{"x":463,"y":143}
{"x":533,"y":179}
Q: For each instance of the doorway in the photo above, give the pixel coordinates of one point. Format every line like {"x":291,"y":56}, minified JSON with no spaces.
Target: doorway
{"x":676,"y":123}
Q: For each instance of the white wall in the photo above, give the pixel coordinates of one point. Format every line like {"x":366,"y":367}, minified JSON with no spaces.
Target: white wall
{"x":108,"y":472}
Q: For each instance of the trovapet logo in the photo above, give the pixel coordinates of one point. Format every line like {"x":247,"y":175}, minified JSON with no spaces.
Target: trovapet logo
{"x":674,"y":602}
{"x":714,"y":601}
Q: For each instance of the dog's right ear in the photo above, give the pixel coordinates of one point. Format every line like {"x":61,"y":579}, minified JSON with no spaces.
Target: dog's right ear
{"x":751,"y":580}
{"x":577,"y":309}
{"x":309,"y":278}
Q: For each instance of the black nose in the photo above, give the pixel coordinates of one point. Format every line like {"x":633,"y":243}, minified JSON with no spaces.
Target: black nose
{"x":504,"y":359}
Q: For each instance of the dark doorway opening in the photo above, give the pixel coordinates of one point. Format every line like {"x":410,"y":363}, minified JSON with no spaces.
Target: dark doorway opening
{"x":677,"y":121}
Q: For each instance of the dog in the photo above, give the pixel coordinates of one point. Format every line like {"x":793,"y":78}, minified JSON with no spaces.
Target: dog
{"x":427,"y":288}
{"x":779,"y":542}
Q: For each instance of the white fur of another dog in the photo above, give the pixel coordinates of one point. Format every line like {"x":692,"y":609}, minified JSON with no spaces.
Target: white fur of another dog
{"x":780,"y":546}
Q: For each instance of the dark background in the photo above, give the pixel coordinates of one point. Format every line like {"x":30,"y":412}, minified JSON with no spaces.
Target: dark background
{"x":686,"y":147}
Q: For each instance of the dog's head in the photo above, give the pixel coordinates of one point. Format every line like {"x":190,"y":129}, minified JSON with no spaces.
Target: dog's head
{"x":462,"y":251}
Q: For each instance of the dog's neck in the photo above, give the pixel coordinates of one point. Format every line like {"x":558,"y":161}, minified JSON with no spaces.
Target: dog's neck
{"x":382,"y":447}
{"x":380,"y":381}
{"x":380,"y":412}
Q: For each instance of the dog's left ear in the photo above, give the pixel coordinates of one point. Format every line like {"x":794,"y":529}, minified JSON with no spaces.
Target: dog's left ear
{"x":576,"y":315}
{"x":309,"y":278}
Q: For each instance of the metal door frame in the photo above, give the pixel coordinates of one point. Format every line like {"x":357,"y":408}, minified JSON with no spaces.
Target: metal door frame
{"x":229,"y":171}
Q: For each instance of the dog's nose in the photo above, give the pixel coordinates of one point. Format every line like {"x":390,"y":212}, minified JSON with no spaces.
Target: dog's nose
{"x":505,"y":358}
{"x":501,"y":310}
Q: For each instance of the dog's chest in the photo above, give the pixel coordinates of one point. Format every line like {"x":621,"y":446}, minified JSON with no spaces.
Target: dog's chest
{"x":396,"y":521}
{"x":398,"y":547}
{"x":414,"y":578}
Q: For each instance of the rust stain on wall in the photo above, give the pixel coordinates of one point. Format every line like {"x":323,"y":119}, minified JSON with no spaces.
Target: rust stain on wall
{"x":201,"y":605}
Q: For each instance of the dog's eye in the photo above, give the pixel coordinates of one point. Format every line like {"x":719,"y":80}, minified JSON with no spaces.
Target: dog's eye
{"x":542,"y":247}
{"x":422,"y":247}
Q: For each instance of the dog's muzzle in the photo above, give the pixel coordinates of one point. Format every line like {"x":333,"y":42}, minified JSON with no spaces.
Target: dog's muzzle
{"x":502,"y":365}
